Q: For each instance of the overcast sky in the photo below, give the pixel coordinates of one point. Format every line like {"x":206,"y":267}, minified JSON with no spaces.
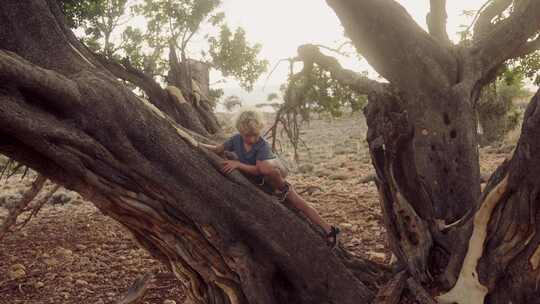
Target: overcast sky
{"x":282,"y":25}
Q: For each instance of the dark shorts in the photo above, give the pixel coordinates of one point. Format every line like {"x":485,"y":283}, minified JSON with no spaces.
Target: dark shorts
{"x":264,"y":186}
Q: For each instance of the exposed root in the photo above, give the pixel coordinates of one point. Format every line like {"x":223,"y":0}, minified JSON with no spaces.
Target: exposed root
{"x":136,"y":291}
{"x":391,"y":292}
{"x":421,"y":295}
{"x":468,"y":289}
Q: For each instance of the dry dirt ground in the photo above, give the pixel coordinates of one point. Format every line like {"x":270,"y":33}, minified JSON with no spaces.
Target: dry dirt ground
{"x":71,"y":253}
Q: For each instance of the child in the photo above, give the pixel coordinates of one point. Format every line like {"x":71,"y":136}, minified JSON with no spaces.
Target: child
{"x":254,"y":157}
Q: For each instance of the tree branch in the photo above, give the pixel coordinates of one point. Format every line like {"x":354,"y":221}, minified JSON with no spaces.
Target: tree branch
{"x":127,"y":72}
{"x":508,"y":38}
{"x":405,"y":54}
{"x":358,"y":82}
{"x":529,"y":47}
{"x":19,"y":207}
{"x":58,"y":88}
{"x":487,"y":12}
{"x":436,"y":21}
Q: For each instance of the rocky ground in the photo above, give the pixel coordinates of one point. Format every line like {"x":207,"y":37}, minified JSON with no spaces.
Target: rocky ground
{"x":71,"y":253}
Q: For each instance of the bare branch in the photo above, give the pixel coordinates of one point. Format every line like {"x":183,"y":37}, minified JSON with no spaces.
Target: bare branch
{"x":487,"y":12}
{"x":358,"y":82}
{"x":35,"y":209}
{"x":529,"y":47}
{"x":507,"y":38}
{"x":405,"y":54}
{"x":18,"y":208}
{"x":436,"y":20}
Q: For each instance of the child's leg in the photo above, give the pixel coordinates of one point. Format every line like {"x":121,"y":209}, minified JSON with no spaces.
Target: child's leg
{"x":272,"y":175}
{"x":299,"y":203}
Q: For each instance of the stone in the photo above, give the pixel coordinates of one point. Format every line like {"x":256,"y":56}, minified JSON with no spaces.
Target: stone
{"x":346,"y":225}
{"x":50,"y":262}
{"x":377,"y":255}
{"x":80,"y":247}
{"x":17,"y":271}
{"x":305,"y":168}
{"x":339,"y":176}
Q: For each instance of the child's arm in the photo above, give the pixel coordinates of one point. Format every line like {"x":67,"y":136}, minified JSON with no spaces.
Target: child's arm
{"x":230,"y":165}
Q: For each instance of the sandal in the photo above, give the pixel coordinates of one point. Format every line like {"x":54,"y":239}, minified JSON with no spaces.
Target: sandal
{"x":283,"y":192}
{"x":334,"y":235}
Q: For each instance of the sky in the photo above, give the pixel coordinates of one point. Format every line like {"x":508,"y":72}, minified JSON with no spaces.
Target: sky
{"x":283,"y":25}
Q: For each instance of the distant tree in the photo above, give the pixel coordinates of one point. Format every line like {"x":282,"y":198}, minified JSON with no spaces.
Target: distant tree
{"x":232,"y":102}
{"x":148,"y":57}
{"x":496,"y":112}
{"x":272,"y":96}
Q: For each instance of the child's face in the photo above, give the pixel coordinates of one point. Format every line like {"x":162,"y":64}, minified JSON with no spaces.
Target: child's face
{"x":250,"y":138}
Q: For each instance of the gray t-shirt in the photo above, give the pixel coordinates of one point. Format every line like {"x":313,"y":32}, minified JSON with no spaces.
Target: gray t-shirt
{"x":261,"y":150}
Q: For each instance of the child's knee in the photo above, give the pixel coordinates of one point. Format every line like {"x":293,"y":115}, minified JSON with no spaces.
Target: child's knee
{"x":271,"y":172}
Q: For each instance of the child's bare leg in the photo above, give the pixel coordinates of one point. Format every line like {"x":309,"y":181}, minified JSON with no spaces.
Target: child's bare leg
{"x":273,"y":176}
{"x":299,"y":203}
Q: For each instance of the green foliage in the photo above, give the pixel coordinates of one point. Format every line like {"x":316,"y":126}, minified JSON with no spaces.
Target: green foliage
{"x":215,"y":97}
{"x":496,"y":111}
{"x":529,"y":66}
{"x":99,"y":19}
{"x":170,"y":23}
{"x":272,"y":96}
{"x":327,"y":95}
{"x":78,"y":12}
{"x":233,"y":56}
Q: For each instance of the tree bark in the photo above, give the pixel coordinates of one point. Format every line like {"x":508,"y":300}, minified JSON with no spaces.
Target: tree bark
{"x":170,"y":100}
{"x":423,"y":143}
{"x":193,"y":77}
{"x":63,"y":114}
{"x":230,"y":243}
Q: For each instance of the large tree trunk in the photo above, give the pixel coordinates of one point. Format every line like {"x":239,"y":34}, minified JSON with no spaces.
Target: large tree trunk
{"x":193,"y":77}
{"x":70,"y":119}
{"x":466,"y":246}
{"x":170,"y":100}
{"x":67,"y":117}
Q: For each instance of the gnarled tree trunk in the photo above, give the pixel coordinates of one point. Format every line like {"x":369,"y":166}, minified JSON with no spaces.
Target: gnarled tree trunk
{"x":68,"y":118}
{"x":466,"y":246}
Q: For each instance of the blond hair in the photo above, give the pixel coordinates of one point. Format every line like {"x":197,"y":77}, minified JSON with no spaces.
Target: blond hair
{"x":249,"y":121}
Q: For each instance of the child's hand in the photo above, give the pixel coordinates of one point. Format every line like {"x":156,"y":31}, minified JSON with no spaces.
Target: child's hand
{"x":230,"y":165}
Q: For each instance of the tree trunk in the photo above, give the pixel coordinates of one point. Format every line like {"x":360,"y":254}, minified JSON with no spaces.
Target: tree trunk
{"x":193,"y":77}
{"x":229,"y":242}
{"x":170,"y":100}
{"x":66,"y":116}
{"x":466,"y":246}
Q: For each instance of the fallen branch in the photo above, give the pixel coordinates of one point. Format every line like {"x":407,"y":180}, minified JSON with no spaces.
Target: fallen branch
{"x":19,"y":207}
{"x":137,"y":290}
{"x":35,"y":209}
